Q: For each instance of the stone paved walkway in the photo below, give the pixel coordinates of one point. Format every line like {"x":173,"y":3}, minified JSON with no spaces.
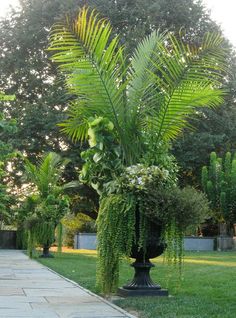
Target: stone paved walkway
{"x":28,"y":289}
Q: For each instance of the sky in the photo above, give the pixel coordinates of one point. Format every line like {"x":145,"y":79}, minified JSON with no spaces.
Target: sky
{"x":222,"y":11}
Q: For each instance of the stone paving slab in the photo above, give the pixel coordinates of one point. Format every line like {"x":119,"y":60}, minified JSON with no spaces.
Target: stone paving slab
{"x":16,"y":313}
{"x":32,"y":284}
{"x":29,"y":289}
{"x":8,"y":291}
{"x":21,"y":299}
{"x":85,"y":298}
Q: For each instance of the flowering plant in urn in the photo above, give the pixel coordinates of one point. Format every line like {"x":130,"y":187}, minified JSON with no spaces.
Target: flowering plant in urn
{"x":130,"y":109}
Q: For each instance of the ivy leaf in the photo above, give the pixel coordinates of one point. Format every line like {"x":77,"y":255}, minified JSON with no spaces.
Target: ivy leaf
{"x":97,"y":157}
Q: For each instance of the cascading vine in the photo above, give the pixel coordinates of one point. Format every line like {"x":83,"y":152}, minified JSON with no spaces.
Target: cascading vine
{"x":116,"y":233}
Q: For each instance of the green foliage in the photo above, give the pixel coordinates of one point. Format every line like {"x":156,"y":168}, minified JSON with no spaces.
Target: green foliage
{"x":128,"y":109}
{"x":214,"y":131}
{"x":35,"y":80}
{"x":157,"y":105}
{"x":47,"y":174}
{"x":7,"y":129}
{"x":4,"y":97}
{"x":158,"y":202}
{"x":219,"y":183}
{"x":77,"y":223}
{"x":116,"y":233}
{"x":41,"y":100}
{"x":59,"y":236}
{"x":103,"y":158}
{"x":42,"y":211}
{"x":186,"y":207}
{"x":133,"y":20}
{"x":140,"y":178}
{"x":178,"y":210}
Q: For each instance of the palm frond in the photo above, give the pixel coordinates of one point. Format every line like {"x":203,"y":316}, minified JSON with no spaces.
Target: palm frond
{"x":140,"y":69}
{"x":165,"y":83}
{"x":140,"y":86}
{"x":47,"y":173}
{"x":76,"y":126}
{"x":184,"y":78}
{"x":93,"y":65}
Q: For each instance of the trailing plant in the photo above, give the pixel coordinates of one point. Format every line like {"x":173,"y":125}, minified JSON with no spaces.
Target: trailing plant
{"x":130,"y":109}
{"x":116,"y":233}
{"x":59,"y":235}
{"x":178,"y":209}
{"x":47,"y":215}
{"x":42,"y":234}
{"x":157,"y":203}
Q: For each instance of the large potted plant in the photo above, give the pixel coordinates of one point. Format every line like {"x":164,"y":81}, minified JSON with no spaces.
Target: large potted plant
{"x":130,"y":109}
{"x":47,"y":203}
{"x":142,"y":211}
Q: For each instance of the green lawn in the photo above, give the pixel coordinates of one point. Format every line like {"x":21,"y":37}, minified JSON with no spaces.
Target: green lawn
{"x":207,"y":290}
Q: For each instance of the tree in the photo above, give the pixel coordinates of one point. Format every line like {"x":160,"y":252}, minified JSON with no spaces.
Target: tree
{"x":134,"y":19}
{"x":6,"y":153}
{"x":7,"y":129}
{"x":41,"y":98}
{"x":129,"y":110}
{"x":211,"y":130}
{"x":219,"y":183}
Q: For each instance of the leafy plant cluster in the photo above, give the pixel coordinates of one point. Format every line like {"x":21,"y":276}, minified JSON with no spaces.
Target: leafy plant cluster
{"x":7,"y":130}
{"x":219,"y":183}
{"x":143,"y":178}
{"x":174,"y":208}
{"x":103,"y":159}
{"x":42,"y":210}
{"x":149,"y":191}
{"x":76,"y":223}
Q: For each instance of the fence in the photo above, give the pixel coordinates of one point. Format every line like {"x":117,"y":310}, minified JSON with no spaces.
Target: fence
{"x":88,"y":241}
{"x":7,"y":239}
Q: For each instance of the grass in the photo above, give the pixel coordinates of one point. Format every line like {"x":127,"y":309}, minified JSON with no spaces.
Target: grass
{"x":208,"y":288}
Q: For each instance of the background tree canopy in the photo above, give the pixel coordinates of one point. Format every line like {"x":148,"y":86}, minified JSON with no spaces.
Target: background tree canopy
{"x":40,"y":97}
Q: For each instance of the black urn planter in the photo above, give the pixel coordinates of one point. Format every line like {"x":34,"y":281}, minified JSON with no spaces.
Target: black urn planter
{"x":142,"y":284}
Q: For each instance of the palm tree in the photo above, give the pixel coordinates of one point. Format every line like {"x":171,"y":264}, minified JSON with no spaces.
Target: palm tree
{"x":148,"y":96}
{"x":46,"y":174}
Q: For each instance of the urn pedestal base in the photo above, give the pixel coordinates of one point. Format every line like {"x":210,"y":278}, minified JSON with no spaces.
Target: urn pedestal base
{"x":142,"y":292}
{"x":46,"y":252}
{"x":142,"y":284}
